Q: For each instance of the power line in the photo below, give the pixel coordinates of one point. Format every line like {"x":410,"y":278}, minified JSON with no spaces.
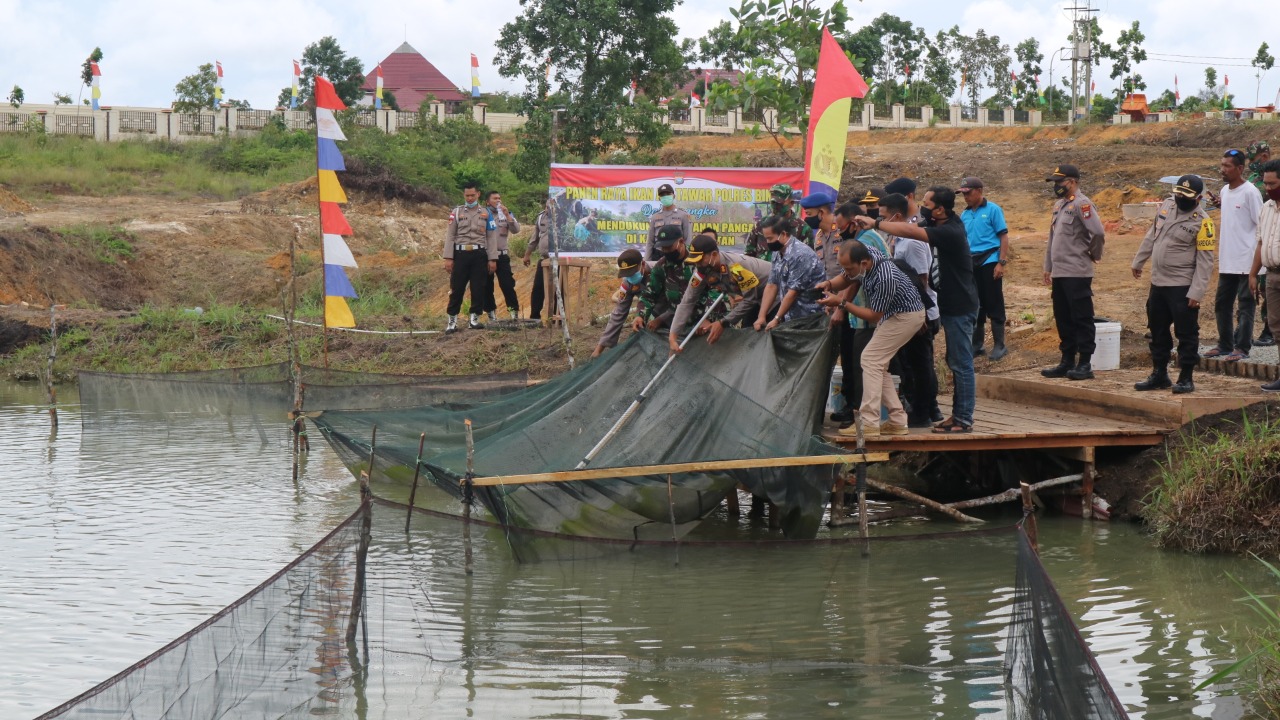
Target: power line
{"x":1199,"y":57}
{"x":1197,"y":62}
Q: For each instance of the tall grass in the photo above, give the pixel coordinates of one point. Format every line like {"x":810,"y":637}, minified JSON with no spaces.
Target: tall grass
{"x":1264,"y":660}
{"x":1221,"y":493}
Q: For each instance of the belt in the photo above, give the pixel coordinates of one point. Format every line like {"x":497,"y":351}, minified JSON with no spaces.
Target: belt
{"x":502,"y":252}
{"x":468,"y":246}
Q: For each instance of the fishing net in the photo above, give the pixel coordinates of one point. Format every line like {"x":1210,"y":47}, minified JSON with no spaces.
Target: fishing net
{"x":751,"y":396}
{"x":442,"y":636}
{"x":269,"y":390}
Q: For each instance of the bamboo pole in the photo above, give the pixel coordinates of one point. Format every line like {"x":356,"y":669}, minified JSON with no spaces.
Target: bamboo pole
{"x":635,"y":404}
{"x":860,"y":475}
{"x":366,"y":521}
{"x":468,"y":496}
{"x":1009,"y":495}
{"x":324,"y":283}
{"x":555,"y":279}
{"x":48,"y":377}
{"x":703,"y":466}
{"x":417,"y":468}
{"x":922,"y":500}
{"x":1029,"y":517}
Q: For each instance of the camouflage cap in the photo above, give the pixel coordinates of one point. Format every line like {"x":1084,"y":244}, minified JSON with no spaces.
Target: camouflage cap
{"x":1256,"y":148}
{"x":781,"y":191}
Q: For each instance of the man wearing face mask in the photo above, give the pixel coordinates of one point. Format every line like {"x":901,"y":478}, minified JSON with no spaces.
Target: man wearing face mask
{"x":795,"y":272}
{"x":668,"y":215}
{"x":870,"y":202}
{"x":1267,"y":254}
{"x":470,"y":256}
{"x":1076,"y":238}
{"x":668,"y":279}
{"x":634,"y":274}
{"x":919,"y":378}
{"x":855,"y":332}
{"x":740,"y":278}
{"x":1180,"y":244}
{"x":781,"y":204}
{"x":820,"y":218}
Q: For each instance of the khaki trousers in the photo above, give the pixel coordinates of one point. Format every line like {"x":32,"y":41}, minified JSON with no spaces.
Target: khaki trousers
{"x":1271,"y":295}
{"x":877,"y":384}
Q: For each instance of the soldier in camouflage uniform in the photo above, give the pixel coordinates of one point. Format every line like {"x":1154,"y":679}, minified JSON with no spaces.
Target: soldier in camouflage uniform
{"x":782,"y":204}
{"x":740,"y":278}
{"x":668,"y":279}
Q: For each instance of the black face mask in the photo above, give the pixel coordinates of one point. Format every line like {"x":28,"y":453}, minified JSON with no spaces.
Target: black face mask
{"x":674,"y":258}
{"x":778,"y":208}
{"x":873,"y":213}
{"x":1186,"y":204}
{"x":927,"y":221}
{"x":775,"y":245}
{"x":1059,"y":190}
{"x":814,"y":222}
{"x":849,"y":233}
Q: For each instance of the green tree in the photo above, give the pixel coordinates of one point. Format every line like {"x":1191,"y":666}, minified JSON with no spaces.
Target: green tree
{"x":86,"y":69}
{"x":327,"y":59}
{"x":1262,"y":62}
{"x":389,"y":100}
{"x":787,"y":35}
{"x":16,"y":97}
{"x":597,"y":49}
{"x":985,"y":64}
{"x":1029,"y":58}
{"x":940,"y":68}
{"x":61,"y":98}
{"x":194,"y":93}
{"x":1125,"y":57}
{"x":891,"y":48}
{"x":1103,"y":108}
{"x":724,"y":47}
{"x":1163,"y":102}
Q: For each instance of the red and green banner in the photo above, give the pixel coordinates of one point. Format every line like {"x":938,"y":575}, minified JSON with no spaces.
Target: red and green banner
{"x":602,"y":210}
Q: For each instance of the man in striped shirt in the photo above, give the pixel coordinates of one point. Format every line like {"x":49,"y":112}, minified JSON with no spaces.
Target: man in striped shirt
{"x":894,"y":304}
{"x":1267,"y":254}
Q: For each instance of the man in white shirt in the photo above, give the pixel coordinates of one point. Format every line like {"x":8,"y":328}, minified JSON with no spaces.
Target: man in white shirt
{"x":1237,"y":238}
{"x":1267,"y":252}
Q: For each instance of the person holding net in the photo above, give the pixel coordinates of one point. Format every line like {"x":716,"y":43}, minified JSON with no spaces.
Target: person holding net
{"x":739,"y":277}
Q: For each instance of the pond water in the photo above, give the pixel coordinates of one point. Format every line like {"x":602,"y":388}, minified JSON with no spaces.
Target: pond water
{"x":118,"y":537}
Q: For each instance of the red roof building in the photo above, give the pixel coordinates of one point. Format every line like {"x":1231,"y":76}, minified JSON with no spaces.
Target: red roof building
{"x":411,"y":78}
{"x":710,"y":76}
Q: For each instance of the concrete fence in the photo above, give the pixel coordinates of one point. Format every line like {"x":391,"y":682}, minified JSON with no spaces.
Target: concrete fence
{"x":701,"y":120}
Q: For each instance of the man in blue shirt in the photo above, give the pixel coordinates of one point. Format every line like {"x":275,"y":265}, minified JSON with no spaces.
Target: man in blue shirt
{"x":989,"y":245}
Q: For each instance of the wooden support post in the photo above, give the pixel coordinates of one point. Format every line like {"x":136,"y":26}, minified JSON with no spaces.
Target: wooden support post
{"x":775,"y":522}
{"x":1086,"y":499}
{"x":413,"y":491}
{"x":1029,"y":517}
{"x":468,"y":496}
{"x":837,"y":501}
{"x":921,"y":500}
{"x":860,"y":480}
{"x":53,"y":355}
{"x":366,"y":522}
{"x":731,"y":503}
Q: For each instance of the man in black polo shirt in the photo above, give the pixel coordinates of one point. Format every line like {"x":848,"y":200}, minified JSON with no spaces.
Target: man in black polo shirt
{"x":957,"y":295}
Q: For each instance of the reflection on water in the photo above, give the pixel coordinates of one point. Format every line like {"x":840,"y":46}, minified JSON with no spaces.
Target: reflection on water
{"x":119,"y":538}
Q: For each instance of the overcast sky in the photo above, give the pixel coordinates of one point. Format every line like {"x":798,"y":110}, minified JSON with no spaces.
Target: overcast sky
{"x":151,"y":44}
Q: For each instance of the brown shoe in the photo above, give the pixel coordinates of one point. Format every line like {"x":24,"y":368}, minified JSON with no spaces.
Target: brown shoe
{"x":868,"y":431}
{"x":893,"y":429}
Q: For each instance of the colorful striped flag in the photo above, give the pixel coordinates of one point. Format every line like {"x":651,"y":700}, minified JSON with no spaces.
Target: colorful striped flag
{"x":95,"y":90}
{"x":377,"y":94}
{"x":835,"y":84}
{"x":217,"y":85}
{"x":1226,"y":80}
{"x":333,"y":224}
{"x":475,"y":76}
{"x":1177,"y":96}
{"x":297,"y":73}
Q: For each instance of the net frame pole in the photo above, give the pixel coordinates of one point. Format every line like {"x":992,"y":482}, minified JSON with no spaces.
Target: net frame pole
{"x":53,"y":355}
{"x":468,"y":497}
{"x":1029,"y":517}
{"x":635,"y":404}
{"x":860,"y":486}
{"x":555,"y":280}
{"x":324,"y":283}
{"x":671,"y":506}
{"x":366,"y":525}
{"x":417,"y":470}
{"x":685,"y":467}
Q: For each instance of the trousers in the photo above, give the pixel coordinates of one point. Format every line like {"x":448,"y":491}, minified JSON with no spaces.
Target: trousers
{"x":990,"y":296}
{"x":504,"y":279}
{"x":877,"y":384}
{"x":1073,"y":314}
{"x":538,"y":297}
{"x":470,"y":267}
{"x":1233,"y":294}
{"x":1168,"y":306}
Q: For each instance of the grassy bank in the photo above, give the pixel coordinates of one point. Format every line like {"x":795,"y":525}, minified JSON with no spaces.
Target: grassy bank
{"x":174,"y":340}
{"x":1218,"y":490}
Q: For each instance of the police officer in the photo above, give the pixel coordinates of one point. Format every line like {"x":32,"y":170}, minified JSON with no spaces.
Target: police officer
{"x":470,"y":256}
{"x":870,"y":202}
{"x":781,"y":204}
{"x":635,"y":275}
{"x":668,"y":215}
{"x":1076,"y":238}
{"x":501,"y":219}
{"x":668,"y":279}
{"x":1180,"y":244}
{"x":739,"y":277}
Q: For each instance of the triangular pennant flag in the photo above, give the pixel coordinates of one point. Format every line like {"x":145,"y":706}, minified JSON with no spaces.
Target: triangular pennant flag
{"x":330,"y":188}
{"x":336,"y":283}
{"x":337,"y":313}
{"x":836,"y":81}
{"x":332,"y":221}
{"x":328,"y":157}
{"x":327,"y":96}
{"x":327,"y":125}
{"x":336,"y":252}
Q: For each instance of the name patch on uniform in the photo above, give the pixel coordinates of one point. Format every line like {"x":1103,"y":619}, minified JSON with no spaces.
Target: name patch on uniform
{"x":696,"y":280}
{"x":1086,"y":211}
{"x":451,"y":218}
{"x":746,"y":279}
{"x":1206,"y":239}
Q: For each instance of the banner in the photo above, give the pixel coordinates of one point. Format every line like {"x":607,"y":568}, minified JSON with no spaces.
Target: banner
{"x":603,"y":209}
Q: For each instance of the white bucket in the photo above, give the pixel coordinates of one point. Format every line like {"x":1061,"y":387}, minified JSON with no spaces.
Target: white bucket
{"x":1106,"y":356}
{"x":835,"y":401}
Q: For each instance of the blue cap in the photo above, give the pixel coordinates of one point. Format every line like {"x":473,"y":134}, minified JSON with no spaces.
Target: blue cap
{"x":817,"y":200}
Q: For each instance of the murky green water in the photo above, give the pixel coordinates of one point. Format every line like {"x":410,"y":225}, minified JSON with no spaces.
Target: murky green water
{"x":119,"y":537}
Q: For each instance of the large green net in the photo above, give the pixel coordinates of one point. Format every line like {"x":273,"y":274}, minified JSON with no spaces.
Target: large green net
{"x":751,"y":396}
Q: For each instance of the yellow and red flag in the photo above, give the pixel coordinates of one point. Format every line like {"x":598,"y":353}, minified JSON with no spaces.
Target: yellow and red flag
{"x":837,"y":82}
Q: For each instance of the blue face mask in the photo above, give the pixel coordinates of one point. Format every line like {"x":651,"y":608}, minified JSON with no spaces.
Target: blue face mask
{"x":635,"y":279}
{"x":667,"y":200}
{"x":473,"y":203}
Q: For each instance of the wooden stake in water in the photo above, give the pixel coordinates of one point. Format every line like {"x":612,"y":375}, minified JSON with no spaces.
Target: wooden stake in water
{"x":413,"y":491}
{"x":1029,"y":516}
{"x":555,"y":279}
{"x":860,"y":485}
{"x":366,"y":525}
{"x":48,"y":376}
{"x":468,"y":496}
{"x":671,"y":504}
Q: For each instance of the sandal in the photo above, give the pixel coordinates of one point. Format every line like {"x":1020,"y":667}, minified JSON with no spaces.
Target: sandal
{"x":1236,"y":356}
{"x":1215,"y":352}
{"x":952,"y":427}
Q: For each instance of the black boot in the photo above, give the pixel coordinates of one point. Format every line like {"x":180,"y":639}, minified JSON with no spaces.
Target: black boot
{"x":1062,"y":368}
{"x":1184,"y":384}
{"x":979,"y":331}
{"x":1082,"y":371}
{"x":1157,"y":380}
{"x":998,"y":350}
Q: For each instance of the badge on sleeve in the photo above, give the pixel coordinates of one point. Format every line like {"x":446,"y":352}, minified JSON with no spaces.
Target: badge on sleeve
{"x":1207,"y":239}
{"x":746,"y":279}
{"x":1086,"y":211}
{"x":451,"y":217}
{"x":696,"y":280}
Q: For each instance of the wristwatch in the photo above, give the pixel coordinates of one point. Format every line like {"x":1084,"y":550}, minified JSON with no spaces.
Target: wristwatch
{"x":877,"y":225}
{"x":1003,"y":261}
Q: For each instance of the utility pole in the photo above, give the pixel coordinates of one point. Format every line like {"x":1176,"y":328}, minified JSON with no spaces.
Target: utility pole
{"x":555,"y":121}
{"x":1081,"y":51}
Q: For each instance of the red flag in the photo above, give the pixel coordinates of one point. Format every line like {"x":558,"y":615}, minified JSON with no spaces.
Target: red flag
{"x":907,"y":69}
{"x":1176,"y":95}
{"x":1226,"y":81}
{"x":327,"y":96}
{"x":332,"y":221}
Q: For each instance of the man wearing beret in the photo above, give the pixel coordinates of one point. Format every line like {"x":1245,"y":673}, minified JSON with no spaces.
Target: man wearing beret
{"x":1075,"y":245}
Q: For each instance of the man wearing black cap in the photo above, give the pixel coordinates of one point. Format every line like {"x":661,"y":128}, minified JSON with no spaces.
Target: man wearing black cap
{"x":870,"y":202}
{"x":1076,"y":238}
{"x":781,"y":204}
{"x":668,"y":279}
{"x":634,"y":273}
{"x":989,"y":245}
{"x":668,"y":215}
{"x":1180,"y":244}
{"x":739,"y":277}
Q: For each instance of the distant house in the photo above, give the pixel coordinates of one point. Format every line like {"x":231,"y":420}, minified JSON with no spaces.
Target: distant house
{"x":709,"y":76}
{"x":411,"y":78}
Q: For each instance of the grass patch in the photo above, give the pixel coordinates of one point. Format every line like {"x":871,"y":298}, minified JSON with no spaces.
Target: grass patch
{"x":1221,"y":492}
{"x":108,"y":243}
